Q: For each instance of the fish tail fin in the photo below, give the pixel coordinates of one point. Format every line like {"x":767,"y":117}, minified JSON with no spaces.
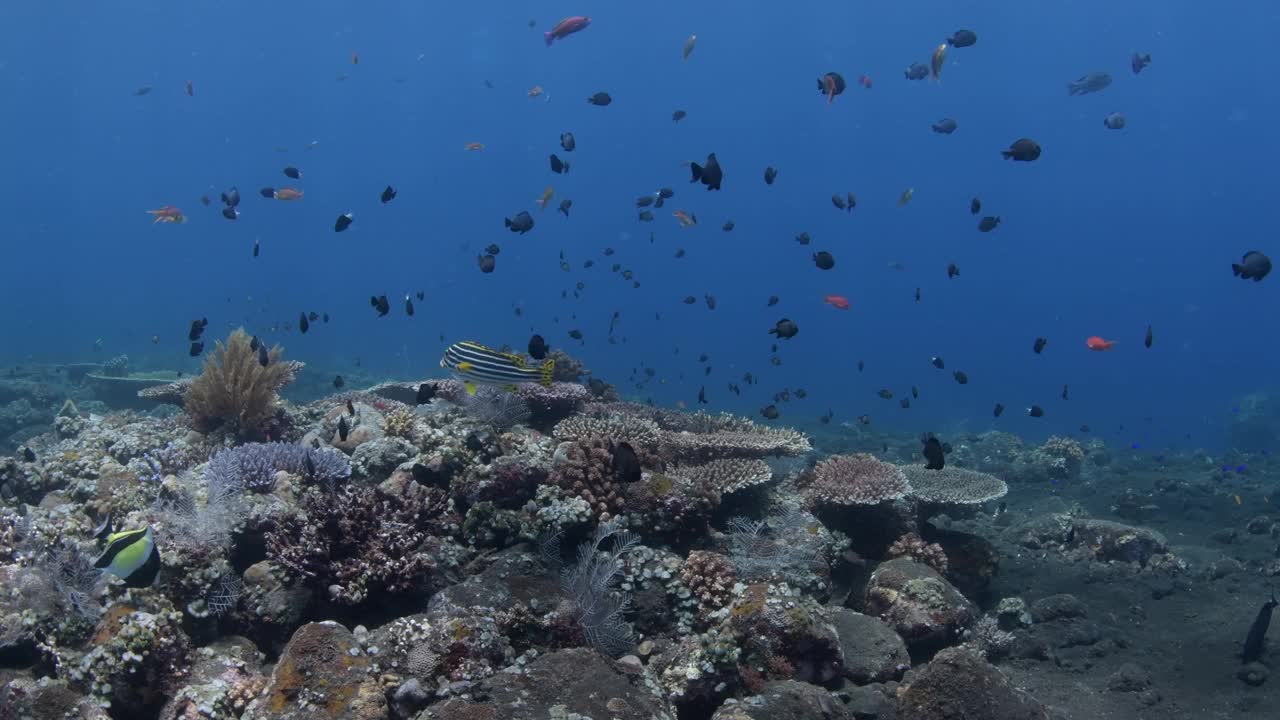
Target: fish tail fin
{"x":545,"y":372}
{"x":506,"y":221}
{"x":1006,"y":154}
{"x":696,"y":170}
{"x":548,"y":38}
{"x":471,"y":387}
{"x":1236,"y":269}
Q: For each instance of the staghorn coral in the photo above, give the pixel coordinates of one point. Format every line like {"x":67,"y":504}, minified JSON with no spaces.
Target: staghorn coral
{"x":953,"y":485}
{"x":234,"y":390}
{"x":913,"y":546}
{"x":360,"y":542}
{"x":640,"y":433}
{"x":858,"y":479}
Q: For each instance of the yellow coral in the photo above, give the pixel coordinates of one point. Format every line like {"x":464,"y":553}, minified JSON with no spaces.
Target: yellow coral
{"x":401,"y":423}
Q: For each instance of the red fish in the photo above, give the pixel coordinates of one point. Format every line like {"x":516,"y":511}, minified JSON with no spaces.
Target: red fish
{"x":837,"y":301}
{"x":287,"y":194}
{"x":1097,"y":344}
{"x":168,"y":214}
{"x":865,"y":81}
{"x":565,"y":28}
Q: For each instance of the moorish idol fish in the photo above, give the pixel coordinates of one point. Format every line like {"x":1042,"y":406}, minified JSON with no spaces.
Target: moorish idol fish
{"x":132,"y":556}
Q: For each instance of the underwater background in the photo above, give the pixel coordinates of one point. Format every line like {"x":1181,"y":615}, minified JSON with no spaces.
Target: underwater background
{"x":1108,"y":232}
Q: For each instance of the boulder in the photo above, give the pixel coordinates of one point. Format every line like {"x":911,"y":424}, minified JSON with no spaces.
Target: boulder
{"x":918,"y":603}
{"x":785,"y":700}
{"x":873,"y":652}
{"x":960,"y":685}
{"x":323,"y":674}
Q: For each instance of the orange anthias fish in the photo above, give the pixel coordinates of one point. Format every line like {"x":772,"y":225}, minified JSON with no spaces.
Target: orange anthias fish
{"x":546,"y":197}
{"x":685,"y":219}
{"x":837,"y":301}
{"x":287,"y":194}
{"x":1097,"y":344}
{"x":865,"y":81}
{"x":473,"y":146}
{"x":168,"y":214}
{"x":535,"y":91}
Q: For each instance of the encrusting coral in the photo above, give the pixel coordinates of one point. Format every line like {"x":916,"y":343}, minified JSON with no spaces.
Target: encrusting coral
{"x":234,"y":390}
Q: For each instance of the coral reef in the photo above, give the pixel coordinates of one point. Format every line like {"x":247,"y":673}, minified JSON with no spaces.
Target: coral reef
{"x":858,"y":479}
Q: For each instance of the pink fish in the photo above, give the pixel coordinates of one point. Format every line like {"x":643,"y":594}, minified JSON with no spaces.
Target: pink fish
{"x":566,"y":27}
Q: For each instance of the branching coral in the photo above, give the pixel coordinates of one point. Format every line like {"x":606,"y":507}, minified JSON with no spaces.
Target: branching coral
{"x":358,"y":542}
{"x":640,"y":433}
{"x":253,"y":467}
{"x":727,"y":475}
{"x":236,"y":391}
{"x":913,"y":546}
{"x":858,"y":479}
{"x":710,"y":577}
{"x":585,"y":468}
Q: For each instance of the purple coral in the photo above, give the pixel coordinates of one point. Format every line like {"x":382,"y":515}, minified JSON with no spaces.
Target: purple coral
{"x":253,"y":467}
{"x":858,"y":479}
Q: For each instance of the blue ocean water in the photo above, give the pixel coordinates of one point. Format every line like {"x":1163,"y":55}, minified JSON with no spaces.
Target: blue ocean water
{"x":1108,"y":232}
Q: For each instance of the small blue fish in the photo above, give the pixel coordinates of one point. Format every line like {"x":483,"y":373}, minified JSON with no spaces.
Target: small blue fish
{"x":1241,"y":468}
{"x":1160,"y":458}
{"x":1235,"y":410}
{"x":1136,"y":446}
{"x":1226,"y":468}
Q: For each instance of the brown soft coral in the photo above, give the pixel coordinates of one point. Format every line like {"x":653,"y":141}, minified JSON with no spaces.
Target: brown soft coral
{"x":235,"y":390}
{"x":913,"y":546}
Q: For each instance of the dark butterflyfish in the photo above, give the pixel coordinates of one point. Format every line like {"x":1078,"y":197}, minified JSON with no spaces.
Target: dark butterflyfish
{"x":1035,"y":411}
{"x":953,"y":270}
{"x":937,"y":362}
{"x":1066,"y":392}
{"x":426,"y":391}
{"x":538,"y":348}
{"x":785,"y":329}
{"x":624,"y":463}
{"x":256,"y":248}
{"x":999,"y":409}
{"x":196,"y":348}
{"x":380,"y":304}
{"x":916,"y":71}
{"x":304,"y":324}
{"x":770,"y":412}
{"x":343,"y":428}
{"x":975,"y":206}
{"x":1038,"y":347}
{"x":831,"y":85}
{"x":1139,"y":61}
{"x":351,"y":409}
{"x":343,"y":222}
{"x":338,"y":382}
{"x":487,"y":263}
{"x":388,"y":194}
{"x":1147,"y":340}
{"x":267,"y":192}
{"x":264,"y":359}
{"x":963,"y":39}
{"x":132,"y":556}
{"x":231,"y":197}
{"x":197,"y":329}
{"x":1022,"y":150}
{"x":293,"y":172}
{"x":988,"y":223}
{"x":804,"y":238}
{"x":558,"y":166}
{"x":230,"y":213}
{"x":709,"y":174}
{"x":702,"y":395}
{"x":1256,"y":639}
{"x":961,"y":377}
{"x":568,"y":142}
{"x":945,"y":126}
{"x":824,"y":260}
{"x":773,"y":300}
{"x":1253,"y":266}
{"x":934,"y":458}
{"x":565,"y":205}
{"x":521,"y":223}
{"x":408,"y":306}
{"x":600,"y":99}
{"x":678,"y":115}
{"x":770,"y":174}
